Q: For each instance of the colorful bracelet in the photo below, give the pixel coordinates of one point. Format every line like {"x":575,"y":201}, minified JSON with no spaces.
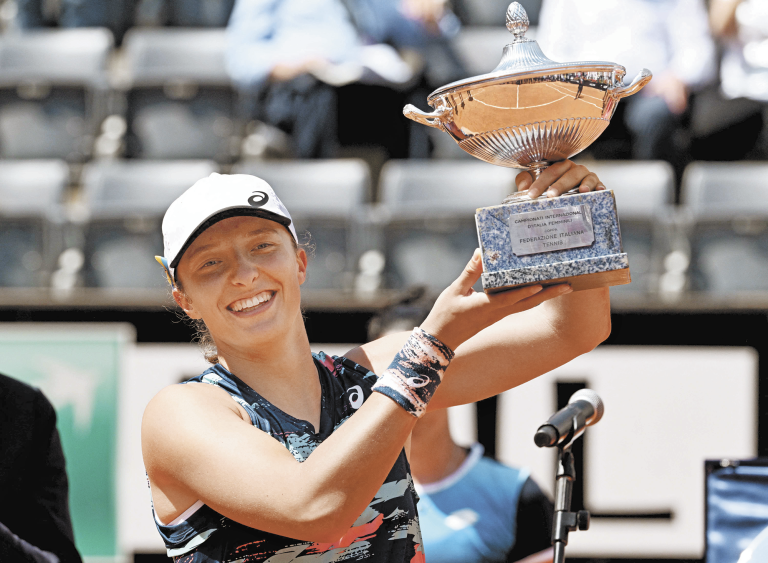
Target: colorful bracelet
{"x":413,"y":376}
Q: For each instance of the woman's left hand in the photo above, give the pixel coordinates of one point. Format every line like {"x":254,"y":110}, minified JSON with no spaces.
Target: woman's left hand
{"x":558,"y":179}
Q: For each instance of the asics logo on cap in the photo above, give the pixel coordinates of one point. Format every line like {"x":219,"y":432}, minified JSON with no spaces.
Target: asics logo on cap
{"x":258,"y":199}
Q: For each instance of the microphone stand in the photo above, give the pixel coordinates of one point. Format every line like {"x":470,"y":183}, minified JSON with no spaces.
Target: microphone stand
{"x":564,"y":520}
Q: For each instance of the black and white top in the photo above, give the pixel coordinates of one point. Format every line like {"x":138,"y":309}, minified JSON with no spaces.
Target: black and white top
{"x":388,"y":530}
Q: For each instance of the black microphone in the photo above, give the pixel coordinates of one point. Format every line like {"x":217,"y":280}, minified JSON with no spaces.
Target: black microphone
{"x":584,"y":409}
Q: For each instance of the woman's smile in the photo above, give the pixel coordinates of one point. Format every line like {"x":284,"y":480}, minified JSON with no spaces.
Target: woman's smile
{"x":258,"y":302}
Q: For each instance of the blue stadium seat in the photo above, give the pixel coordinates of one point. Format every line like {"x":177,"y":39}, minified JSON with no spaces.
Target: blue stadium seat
{"x":124,"y":202}
{"x":31,"y":197}
{"x":180,"y":101}
{"x":645,"y":192}
{"x":53,"y":91}
{"x":727,"y":207}
{"x":427,"y":219}
{"x":326,"y":199}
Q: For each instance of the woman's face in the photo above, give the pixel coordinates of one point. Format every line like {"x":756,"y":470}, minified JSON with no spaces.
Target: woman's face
{"x":242,"y":276}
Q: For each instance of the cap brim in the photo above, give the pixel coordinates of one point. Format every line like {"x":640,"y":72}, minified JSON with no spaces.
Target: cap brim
{"x":226,"y":214}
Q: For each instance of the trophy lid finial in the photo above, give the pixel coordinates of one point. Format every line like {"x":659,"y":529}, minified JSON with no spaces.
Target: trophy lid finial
{"x":517,"y":21}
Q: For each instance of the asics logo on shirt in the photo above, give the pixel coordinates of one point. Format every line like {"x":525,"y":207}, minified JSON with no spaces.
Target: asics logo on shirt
{"x":356,"y":396}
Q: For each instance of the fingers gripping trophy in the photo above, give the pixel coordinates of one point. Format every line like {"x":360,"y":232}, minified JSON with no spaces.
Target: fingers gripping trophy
{"x":529,"y":113}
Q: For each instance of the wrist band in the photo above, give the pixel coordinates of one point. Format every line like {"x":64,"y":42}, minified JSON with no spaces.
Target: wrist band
{"x":413,"y":376}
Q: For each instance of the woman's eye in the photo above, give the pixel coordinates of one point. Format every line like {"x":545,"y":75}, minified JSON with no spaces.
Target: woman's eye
{"x":209,"y":264}
{"x":262,"y":246}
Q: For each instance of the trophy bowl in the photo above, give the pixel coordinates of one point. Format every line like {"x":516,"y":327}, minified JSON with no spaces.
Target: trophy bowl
{"x":529,"y":111}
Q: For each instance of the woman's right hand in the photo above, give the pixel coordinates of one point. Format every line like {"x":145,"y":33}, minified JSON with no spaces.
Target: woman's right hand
{"x":460,"y":312}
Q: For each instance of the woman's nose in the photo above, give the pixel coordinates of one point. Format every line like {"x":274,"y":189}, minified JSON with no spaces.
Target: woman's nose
{"x":246,"y":272}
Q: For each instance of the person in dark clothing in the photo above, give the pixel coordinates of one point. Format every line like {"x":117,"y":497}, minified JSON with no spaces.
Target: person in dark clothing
{"x":35,"y":524}
{"x":326,"y":72}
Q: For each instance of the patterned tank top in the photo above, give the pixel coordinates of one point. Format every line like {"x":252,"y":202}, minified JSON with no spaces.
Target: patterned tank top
{"x":388,"y":530}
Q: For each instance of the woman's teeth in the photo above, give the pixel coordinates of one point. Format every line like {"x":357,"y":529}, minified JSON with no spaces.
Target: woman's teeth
{"x":252,"y":302}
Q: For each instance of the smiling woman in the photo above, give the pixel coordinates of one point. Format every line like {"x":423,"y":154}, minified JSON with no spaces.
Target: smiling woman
{"x":207,"y":259}
{"x":278,"y":454}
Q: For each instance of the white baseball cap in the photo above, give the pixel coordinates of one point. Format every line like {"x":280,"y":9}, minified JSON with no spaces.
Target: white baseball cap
{"x":210,"y":200}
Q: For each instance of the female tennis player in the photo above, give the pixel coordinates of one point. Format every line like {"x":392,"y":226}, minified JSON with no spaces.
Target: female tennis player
{"x":277,"y":454}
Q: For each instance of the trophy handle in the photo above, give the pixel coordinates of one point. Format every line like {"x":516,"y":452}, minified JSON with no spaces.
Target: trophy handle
{"x":643,"y":78}
{"x":435,"y":119}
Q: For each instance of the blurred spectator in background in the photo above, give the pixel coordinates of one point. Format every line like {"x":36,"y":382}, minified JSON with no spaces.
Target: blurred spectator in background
{"x":334,"y":73}
{"x":730,"y":120}
{"x":671,"y":38}
{"x":35,"y":524}
{"x":742,"y":27}
{"x":119,"y":15}
{"x":472,"y":509}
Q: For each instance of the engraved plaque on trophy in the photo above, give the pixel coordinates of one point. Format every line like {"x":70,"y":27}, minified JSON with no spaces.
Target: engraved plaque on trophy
{"x":528,"y":113}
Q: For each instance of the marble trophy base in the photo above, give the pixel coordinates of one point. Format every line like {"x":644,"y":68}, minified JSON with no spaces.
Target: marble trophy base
{"x":574,"y":238}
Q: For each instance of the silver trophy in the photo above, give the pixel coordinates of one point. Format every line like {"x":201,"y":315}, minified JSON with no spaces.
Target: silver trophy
{"x":528,"y":113}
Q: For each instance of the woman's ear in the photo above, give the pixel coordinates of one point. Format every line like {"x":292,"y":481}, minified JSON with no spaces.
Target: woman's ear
{"x":301,"y":258}
{"x":185,"y":303}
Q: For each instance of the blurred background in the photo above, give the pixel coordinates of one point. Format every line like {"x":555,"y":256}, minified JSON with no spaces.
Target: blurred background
{"x":109,"y":109}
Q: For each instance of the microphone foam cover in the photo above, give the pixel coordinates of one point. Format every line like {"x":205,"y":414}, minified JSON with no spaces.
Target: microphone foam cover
{"x":546,"y":436}
{"x":593,"y":399}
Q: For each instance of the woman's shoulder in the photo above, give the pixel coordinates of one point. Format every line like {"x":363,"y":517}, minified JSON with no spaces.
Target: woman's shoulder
{"x":176,"y":403}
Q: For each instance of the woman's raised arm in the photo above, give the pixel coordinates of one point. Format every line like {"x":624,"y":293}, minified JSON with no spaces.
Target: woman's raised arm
{"x":548,"y":329}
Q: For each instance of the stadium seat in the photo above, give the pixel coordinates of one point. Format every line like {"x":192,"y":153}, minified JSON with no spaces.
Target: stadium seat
{"x":53,"y":90}
{"x":124,"y":203}
{"x":326,"y":199}
{"x":492,"y":12}
{"x":180,"y":101}
{"x":191,"y":13}
{"x":31,"y":194}
{"x":427,"y":219}
{"x":727,"y":205}
{"x":645,"y":192}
